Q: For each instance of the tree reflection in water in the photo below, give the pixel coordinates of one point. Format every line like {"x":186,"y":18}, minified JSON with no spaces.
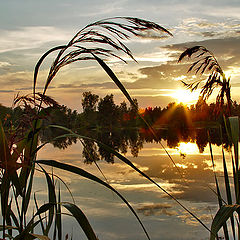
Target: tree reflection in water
{"x":121,"y":128}
{"x":132,"y":140}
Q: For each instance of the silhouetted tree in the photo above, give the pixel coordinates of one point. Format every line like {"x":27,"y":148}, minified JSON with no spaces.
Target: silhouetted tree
{"x":89,"y":102}
{"x":108,"y":114}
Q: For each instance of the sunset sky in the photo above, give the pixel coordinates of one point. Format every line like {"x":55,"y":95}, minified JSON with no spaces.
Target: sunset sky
{"x":29,"y":28}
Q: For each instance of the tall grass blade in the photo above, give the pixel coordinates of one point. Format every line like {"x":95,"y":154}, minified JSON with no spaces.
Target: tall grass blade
{"x":29,"y":190}
{"x":8,"y":218}
{"x":14,"y":218}
{"x":44,"y":208}
{"x":94,"y":160}
{"x":235,"y":175}
{"x":31,"y":225}
{"x":5,"y":186}
{"x":129,"y":163}
{"x":40,"y":61}
{"x":223,"y":214}
{"x":228,"y":192}
{"x":31,"y":143}
{"x":85,"y":174}
{"x":220,"y":201}
{"x":111,"y":74}
{"x":81,"y":219}
{"x":39,"y":215}
{"x":16,"y":182}
{"x":8,"y":164}
{"x":62,"y":181}
{"x":227,"y":185}
{"x":31,"y":139}
{"x":25,"y":234}
{"x":234,"y":126}
{"x":51,"y":199}
{"x":59,"y":216}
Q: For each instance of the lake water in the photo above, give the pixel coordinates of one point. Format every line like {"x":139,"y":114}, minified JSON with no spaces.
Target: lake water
{"x":163,"y":218}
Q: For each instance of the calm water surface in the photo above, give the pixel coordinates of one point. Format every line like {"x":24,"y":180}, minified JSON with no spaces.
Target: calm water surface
{"x":163,"y":218}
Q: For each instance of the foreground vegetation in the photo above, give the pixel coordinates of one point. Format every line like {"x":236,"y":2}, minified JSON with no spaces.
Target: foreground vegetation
{"x":21,"y":131}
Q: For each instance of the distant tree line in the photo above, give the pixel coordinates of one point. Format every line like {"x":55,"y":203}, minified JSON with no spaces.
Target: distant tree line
{"x":120,"y":126}
{"x":100,"y":119}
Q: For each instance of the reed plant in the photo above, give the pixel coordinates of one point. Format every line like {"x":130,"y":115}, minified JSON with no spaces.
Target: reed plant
{"x":19,"y":147}
{"x":204,"y":61}
{"x":227,"y":216}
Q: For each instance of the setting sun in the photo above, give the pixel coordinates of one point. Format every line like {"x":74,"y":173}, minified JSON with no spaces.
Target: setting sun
{"x":96,"y":101}
{"x":185,"y":96}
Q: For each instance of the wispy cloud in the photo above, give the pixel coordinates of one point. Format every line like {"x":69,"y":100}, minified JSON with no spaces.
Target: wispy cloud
{"x":31,"y":37}
{"x":225,"y":12}
{"x":96,"y":10}
{"x":208,"y":29}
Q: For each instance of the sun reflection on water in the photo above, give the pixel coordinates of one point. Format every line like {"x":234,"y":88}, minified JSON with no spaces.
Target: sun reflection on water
{"x":181,"y":165}
{"x":188,"y":148}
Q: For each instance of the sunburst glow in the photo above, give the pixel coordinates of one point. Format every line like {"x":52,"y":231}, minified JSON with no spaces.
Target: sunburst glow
{"x":185,"y":96}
